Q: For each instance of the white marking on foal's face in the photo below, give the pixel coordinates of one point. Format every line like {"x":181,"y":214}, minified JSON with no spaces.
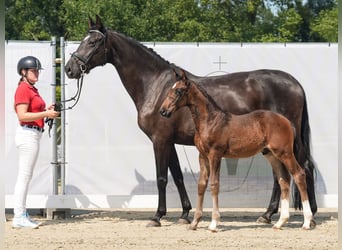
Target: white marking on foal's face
{"x":174,"y":85}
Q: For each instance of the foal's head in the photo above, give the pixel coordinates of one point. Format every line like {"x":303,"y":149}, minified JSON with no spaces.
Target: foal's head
{"x":177,"y":96}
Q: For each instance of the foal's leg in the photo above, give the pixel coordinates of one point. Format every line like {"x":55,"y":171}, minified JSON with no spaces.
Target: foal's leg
{"x":299,"y":178}
{"x":284,"y":183}
{"x":214,"y":188}
{"x":201,"y":187}
{"x":275,"y":197}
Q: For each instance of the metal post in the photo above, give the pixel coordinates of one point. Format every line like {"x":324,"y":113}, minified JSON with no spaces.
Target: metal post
{"x":54,"y":160}
{"x":63,"y":113}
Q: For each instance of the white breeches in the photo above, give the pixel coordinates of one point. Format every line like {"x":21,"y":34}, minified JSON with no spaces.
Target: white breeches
{"x":27,"y":141}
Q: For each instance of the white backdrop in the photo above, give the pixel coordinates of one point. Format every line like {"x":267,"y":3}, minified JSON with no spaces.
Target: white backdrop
{"x":111,"y":161}
{"x":42,"y":178}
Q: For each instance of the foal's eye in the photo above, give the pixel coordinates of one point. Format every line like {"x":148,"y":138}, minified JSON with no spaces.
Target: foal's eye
{"x":179,"y":92}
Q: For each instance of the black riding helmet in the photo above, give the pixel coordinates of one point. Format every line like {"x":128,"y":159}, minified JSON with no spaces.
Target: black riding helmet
{"x":28,"y":62}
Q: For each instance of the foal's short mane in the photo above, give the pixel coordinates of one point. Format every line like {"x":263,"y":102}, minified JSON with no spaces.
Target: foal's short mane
{"x":205,"y":93}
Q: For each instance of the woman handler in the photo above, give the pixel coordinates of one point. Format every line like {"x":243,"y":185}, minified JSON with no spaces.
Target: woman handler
{"x":31,"y":111}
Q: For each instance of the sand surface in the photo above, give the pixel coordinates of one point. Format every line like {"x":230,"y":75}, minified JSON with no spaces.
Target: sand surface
{"x":126,"y":229}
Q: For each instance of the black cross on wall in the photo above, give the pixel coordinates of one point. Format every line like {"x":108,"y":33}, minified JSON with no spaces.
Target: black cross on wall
{"x":220,"y":62}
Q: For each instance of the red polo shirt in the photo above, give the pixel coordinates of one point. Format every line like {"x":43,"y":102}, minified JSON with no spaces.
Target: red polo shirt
{"x":28,"y":94}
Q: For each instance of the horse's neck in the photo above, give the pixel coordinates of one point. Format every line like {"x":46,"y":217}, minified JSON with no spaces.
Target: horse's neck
{"x":137,"y":67}
{"x":201,"y":107}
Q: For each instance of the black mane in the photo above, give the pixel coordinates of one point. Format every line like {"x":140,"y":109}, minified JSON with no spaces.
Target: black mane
{"x":144,"y":47}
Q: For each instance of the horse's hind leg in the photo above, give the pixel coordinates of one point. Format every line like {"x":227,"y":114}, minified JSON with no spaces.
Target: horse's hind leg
{"x":275,"y":197}
{"x":201,"y":187}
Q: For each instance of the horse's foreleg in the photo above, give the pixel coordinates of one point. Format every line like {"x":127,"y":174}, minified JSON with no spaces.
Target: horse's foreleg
{"x":214,"y":188}
{"x":162,"y":154}
{"x":201,"y":187}
{"x":179,"y":181}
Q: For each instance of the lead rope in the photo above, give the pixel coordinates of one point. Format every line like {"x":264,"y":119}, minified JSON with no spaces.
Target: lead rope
{"x":76,"y":98}
{"x":228,"y":190}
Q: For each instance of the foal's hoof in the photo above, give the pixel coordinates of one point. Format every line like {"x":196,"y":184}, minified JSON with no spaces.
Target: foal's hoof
{"x":311,"y":226}
{"x":276,"y":227}
{"x":263,"y":220}
{"x":192,"y":227}
{"x":153,"y":223}
{"x":213,"y":230}
{"x":183,"y":221}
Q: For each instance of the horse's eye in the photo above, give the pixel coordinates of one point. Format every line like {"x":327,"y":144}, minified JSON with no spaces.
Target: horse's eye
{"x":92,"y":43}
{"x":179,"y":92}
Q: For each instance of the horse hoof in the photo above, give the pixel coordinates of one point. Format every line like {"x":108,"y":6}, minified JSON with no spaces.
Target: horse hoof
{"x":153,"y":223}
{"x":263,"y":220}
{"x":183,"y":221}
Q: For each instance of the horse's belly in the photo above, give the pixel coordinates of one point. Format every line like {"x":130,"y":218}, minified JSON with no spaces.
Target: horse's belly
{"x":244,"y":148}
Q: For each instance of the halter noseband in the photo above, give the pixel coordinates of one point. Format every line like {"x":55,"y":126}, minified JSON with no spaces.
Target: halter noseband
{"x":85,"y":60}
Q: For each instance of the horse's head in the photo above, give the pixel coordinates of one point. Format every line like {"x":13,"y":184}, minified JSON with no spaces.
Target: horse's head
{"x":92,"y":51}
{"x":177,"y":95}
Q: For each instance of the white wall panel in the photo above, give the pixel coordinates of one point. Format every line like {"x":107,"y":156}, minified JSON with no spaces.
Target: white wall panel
{"x":108,"y":154}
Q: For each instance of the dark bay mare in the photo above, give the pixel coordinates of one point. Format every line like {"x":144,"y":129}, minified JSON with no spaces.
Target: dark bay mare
{"x":222,"y":134}
{"x":147,"y":77}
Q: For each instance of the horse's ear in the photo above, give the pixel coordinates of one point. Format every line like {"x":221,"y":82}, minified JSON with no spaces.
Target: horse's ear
{"x":177,"y":76}
{"x":98,"y":21}
{"x":184,"y":78}
{"x":99,"y":24}
{"x":90,"y":22}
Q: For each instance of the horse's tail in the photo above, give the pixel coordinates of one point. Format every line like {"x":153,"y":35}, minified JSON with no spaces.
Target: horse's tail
{"x":308,"y":160}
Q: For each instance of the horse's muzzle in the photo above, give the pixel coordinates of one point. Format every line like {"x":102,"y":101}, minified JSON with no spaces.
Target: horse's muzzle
{"x":72,"y":69}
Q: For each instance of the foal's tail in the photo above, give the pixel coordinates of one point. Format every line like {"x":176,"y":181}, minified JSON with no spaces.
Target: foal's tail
{"x":309,"y":164}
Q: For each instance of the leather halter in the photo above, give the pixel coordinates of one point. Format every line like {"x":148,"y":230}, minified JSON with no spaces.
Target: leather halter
{"x":85,"y":60}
